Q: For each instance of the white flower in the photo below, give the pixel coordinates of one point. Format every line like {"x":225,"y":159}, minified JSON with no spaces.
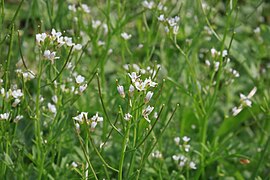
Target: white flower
{"x":175,"y":30}
{"x":176,"y":157}
{"x":79,"y":79}
{"x":85,"y":8}
{"x":82,"y":116}
{"x":187,"y":147}
{"x":94,"y":120}
{"x":157,"y":154}
{"x":126,"y":36}
{"x":141,"y":86}
{"x":28,"y":75}
{"x":257,"y":30}
{"x":96,"y":24}
{"x":150,"y":83}
{"x":148,"y":5}
{"x":140,"y":46}
{"x":4,"y":116}
{"x":55,"y":35}
{"x":186,"y":139}
{"x":77,"y":126}
{"x":82,"y":88}
{"x":177,"y":140}
{"x":2,"y":91}
{"x":97,"y":118}
{"x":148,"y":97}
{"x":182,"y":163}
{"x":52,"y":108}
{"x":252,"y":92}
{"x":214,"y":52}
{"x":207,"y":62}
{"x":237,"y":110}
{"x":41,"y":37}
{"x":68,"y":41}
{"x":127,"y":117}
{"x":133,"y":76}
{"x":93,"y":124}
{"x":61,"y":41}
{"x":121,"y":91}
{"x":50,"y":55}
{"x":155,"y":115}
{"x":146,"y":112}
{"x":101,"y":43}
{"x":245,"y":101}
{"x":18,"y":118}
{"x":224,"y":53}
{"x":192,"y":165}
{"x":131,"y":90}
{"x":161,"y":18}
{"x":78,"y":47}
{"x":17,"y":93}
{"x":55,"y":99}
{"x":72,"y":7}
{"x":74,"y":164}
{"x":217,"y":66}
{"x":16,"y":102}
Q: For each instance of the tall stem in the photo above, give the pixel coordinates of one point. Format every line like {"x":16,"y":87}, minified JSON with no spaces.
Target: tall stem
{"x":124,"y":146}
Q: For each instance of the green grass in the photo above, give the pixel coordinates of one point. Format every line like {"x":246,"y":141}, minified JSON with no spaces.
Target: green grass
{"x":184,"y":94}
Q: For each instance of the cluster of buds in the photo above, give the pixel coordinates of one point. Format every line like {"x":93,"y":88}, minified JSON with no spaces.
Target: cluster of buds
{"x":126,"y":36}
{"x":157,"y":154}
{"x":74,"y":8}
{"x":15,"y":94}
{"x":83,"y":117}
{"x":82,"y":85}
{"x":142,"y":86}
{"x":182,"y":159}
{"x":26,"y":75}
{"x":171,"y":23}
{"x":7,"y":116}
{"x":139,"y":84}
{"x":54,"y":39}
{"x":244,"y":101}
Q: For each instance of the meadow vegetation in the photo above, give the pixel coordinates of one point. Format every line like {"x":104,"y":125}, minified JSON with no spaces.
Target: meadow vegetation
{"x":170,"y":89}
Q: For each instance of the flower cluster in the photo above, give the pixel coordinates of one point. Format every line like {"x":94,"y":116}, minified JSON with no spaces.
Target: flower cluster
{"x":126,"y":36}
{"x":171,"y":23}
{"x":139,"y":84}
{"x":83,"y":117}
{"x":82,"y":85}
{"x":26,"y":75}
{"x":142,"y":86}
{"x":244,"y":101}
{"x":7,"y":116}
{"x":12,"y":94}
{"x":157,"y":154}
{"x":84,"y":7}
{"x":54,"y":39}
{"x":136,"y":68}
{"x":183,"y":160}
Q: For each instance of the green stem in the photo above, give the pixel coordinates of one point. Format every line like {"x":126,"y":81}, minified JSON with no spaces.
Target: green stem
{"x":99,"y":155}
{"x":37,"y":123}
{"x":124,"y":146}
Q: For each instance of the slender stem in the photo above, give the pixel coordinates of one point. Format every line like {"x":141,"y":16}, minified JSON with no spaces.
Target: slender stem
{"x":145,"y":156}
{"x":103,"y":106}
{"x":99,"y":155}
{"x":37,"y":122}
{"x":145,"y":138}
{"x":124,"y":146}
{"x":85,"y":155}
